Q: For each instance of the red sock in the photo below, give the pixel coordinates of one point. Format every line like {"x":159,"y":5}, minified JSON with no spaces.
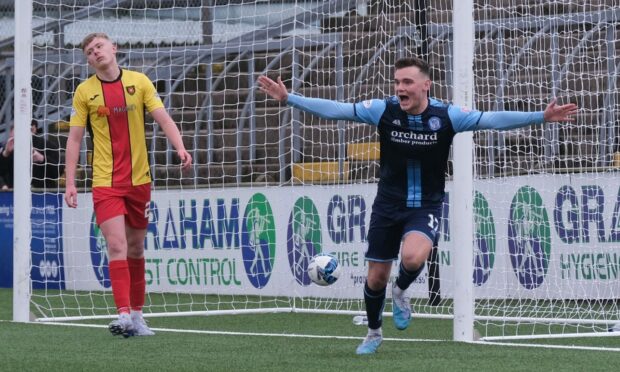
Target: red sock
{"x":119,"y":276}
{"x":138,"y":282}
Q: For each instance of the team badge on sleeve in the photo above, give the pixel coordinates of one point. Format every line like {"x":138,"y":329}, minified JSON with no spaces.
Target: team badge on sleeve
{"x":367,"y":103}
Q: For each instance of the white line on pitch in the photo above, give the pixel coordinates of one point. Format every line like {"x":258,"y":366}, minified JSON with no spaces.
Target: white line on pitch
{"x":545,"y":346}
{"x":228,"y":333}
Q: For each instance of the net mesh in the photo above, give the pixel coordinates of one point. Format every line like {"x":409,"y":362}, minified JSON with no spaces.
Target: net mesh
{"x":272,"y":186}
{"x":547,"y":260}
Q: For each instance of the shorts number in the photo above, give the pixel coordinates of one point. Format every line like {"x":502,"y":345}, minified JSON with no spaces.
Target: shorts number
{"x":147,"y":210}
{"x":433,"y":223}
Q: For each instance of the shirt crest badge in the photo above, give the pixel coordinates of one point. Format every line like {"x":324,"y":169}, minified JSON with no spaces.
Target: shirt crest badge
{"x":434,"y":123}
{"x":131,"y":90}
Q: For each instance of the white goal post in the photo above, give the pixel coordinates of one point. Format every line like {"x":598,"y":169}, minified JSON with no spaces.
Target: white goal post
{"x":23,"y":155}
{"x":531,"y":222}
{"x":463,"y":61}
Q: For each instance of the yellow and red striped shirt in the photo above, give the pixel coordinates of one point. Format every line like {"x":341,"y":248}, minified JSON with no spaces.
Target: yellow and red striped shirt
{"x":113,"y":113}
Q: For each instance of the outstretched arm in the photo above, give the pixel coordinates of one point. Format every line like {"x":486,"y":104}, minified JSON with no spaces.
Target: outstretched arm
{"x":323,"y":108}
{"x":506,"y":120}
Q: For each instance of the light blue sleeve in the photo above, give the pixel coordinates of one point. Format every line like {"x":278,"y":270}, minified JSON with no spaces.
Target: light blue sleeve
{"x":465,"y":120}
{"x":364,"y":112}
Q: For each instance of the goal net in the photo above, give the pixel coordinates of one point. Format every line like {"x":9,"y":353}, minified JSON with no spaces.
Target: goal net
{"x":547,"y":198}
{"x":272,"y":186}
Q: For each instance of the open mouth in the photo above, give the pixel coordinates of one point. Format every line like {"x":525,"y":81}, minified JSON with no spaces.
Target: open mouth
{"x":403,"y":99}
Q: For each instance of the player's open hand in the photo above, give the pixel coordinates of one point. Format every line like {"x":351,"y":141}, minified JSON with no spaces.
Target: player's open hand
{"x":555,"y":112}
{"x":275,"y":90}
{"x":71,"y":196}
{"x":186,"y":159}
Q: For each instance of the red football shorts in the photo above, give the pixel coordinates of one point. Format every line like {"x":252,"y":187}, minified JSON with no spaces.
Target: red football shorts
{"x":131,"y":201}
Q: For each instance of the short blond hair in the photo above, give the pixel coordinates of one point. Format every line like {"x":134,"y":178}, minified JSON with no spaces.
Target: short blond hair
{"x":90,"y":37}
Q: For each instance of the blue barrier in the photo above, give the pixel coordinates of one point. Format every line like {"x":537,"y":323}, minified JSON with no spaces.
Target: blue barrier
{"x":47,"y":270}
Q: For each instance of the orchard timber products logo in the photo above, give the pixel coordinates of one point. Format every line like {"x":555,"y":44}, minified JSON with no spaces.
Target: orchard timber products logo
{"x":529,"y":237}
{"x":258,"y":240}
{"x":484,"y":250}
{"x":303,"y":238}
{"x":99,"y":254}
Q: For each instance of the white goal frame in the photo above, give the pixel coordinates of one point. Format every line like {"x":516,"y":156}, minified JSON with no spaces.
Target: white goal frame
{"x":463,"y":326}
{"x":23,"y":159}
{"x":462,"y":208}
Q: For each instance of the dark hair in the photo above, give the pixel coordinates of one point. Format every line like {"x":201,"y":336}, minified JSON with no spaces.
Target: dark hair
{"x":34,"y":123}
{"x":413,"y":62}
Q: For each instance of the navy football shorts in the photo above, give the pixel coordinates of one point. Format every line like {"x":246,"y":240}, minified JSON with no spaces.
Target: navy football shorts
{"x":389,"y":224}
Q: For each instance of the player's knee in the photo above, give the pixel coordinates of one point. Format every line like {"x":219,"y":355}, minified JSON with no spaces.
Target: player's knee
{"x":116,"y":252}
{"x":414,"y":257}
{"x":135,"y":244}
{"x":135,"y":253}
{"x":135,"y":248}
{"x":413,"y":262}
{"x":116,"y":247}
{"x":377,"y":280}
{"x":376,"y":285}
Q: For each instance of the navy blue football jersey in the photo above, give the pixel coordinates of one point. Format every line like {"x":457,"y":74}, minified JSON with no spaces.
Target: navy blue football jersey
{"x":414,"y":148}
